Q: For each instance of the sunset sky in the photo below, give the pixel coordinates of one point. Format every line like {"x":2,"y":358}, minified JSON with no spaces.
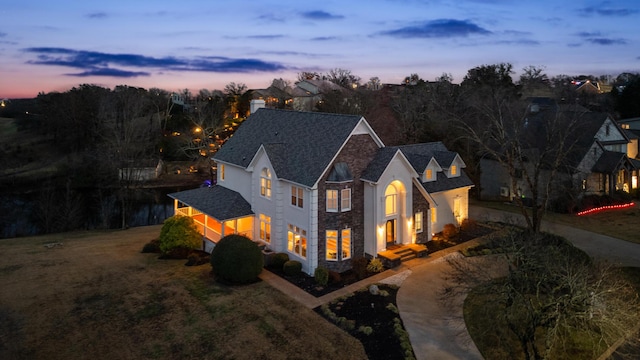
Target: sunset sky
{"x":54,"y":45}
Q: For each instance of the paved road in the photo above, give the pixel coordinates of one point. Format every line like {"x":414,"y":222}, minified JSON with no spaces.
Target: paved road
{"x":616,"y":251}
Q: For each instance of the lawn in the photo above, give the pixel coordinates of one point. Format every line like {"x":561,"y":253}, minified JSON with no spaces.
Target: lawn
{"x":621,"y":224}
{"x":90,"y":295}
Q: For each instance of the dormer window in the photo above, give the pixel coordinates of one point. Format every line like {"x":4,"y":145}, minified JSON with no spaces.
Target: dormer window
{"x":454,"y":170}
{"x":265,"y":183}
{"x":428,"y":174}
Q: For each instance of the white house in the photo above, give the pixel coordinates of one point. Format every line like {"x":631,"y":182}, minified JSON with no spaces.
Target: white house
{"x":324,"y":189}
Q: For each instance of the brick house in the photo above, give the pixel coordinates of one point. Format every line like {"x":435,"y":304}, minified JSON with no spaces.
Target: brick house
{"x":324,"y":189}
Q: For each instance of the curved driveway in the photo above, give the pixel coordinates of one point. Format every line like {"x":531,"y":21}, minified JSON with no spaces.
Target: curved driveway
{"x":436,"y":329}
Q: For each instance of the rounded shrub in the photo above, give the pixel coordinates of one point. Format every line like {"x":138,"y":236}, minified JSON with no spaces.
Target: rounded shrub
{"x":321,"y":275}
{"x":375,"y":266}
{"x":279,"y":259}
{"x":292,"y":268}
{"x":236,"y":259}
{"x":179,"y":232}
{"x":449,"y":231}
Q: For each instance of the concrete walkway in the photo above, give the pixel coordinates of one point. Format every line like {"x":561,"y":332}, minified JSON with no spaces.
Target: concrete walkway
{"x":437,"y":330}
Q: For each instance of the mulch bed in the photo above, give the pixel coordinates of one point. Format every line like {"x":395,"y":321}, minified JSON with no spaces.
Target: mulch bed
{"x":308,"y":283}
{"x":378,"y":313}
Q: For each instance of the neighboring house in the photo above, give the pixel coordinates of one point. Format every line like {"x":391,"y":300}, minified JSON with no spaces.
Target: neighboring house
{"x":141,"y":170}
{"x":273,"y":97}
{"x":308,"y":93}
{"x":324,"y":189}
{"x":599,"y":161}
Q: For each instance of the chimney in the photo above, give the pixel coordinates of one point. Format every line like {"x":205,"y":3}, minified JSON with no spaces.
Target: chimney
{"x":256,"y":104}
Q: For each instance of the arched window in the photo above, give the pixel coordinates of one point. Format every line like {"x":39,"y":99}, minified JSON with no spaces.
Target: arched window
{"x":391,"y":200}
{"x":265,"y":183}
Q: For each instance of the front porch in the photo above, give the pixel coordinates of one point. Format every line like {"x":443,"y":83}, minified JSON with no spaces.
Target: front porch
{"x":217,"y":211}
{"x":395,"y":255}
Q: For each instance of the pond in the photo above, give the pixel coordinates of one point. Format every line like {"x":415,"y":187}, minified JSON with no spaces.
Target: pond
{"x":55,"y":210}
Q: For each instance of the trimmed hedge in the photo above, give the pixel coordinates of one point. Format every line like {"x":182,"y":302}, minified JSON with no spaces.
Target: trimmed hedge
{"x":279,"y":259}
{"x":179,"y":232}
{"x":236,"y":259}
{"x":321,"y":275}
{"x":292,"y":268}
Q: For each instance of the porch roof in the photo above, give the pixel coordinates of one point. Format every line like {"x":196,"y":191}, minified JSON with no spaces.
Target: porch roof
{"x":216,"y":201}
{"x":444,"y":183}
{"x":609,"y":162}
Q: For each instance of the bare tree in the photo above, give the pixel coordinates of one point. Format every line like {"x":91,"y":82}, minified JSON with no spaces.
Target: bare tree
{"x":128,"y":142}
{"x":550,"y":291}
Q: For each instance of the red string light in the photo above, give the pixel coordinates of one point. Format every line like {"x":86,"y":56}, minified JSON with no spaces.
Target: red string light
{"x":608,"y":207}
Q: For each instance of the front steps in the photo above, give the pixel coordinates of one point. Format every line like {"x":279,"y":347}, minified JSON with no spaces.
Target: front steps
{"x":395,"y":256}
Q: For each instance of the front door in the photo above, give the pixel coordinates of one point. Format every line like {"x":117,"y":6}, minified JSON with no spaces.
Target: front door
{"x":391,"y":232}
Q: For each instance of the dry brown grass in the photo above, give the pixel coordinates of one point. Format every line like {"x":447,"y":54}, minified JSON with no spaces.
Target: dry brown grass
{"x":97,"y":297}
{"x":621,"y":224}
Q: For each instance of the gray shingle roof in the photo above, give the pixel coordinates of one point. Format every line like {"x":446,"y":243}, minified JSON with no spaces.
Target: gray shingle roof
{"x":444,"y":183}
{"x":308,"y":141}
{"x":217,"y":201}
{"x":609,"y":162}
{"x":419,"y":156}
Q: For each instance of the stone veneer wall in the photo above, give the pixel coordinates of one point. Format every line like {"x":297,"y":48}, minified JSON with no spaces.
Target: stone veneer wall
{"x":357,"y":153}
{"x":421,"y":204}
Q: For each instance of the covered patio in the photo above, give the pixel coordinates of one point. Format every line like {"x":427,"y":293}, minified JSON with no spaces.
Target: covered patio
{"x":217,"y":211}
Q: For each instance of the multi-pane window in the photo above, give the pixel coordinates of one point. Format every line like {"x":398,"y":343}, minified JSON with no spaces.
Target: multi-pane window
{"x":332,"y":200}
{"x":434,"y":215}
{"x":454,"y":170}
{"x":345,"y":199}
{"x":221,"y":172}
{"x":346,"y":244}
{"x":428,"y":174}
{"x":297,"y":240}
{"x":297,"y":196}
{"x":265,"y":228}
{"x":333,"y":242}
{"x":332,"y":245}
{"x":390,"y":201}
{"x":265,"y":183}
{"x":418,"y":221}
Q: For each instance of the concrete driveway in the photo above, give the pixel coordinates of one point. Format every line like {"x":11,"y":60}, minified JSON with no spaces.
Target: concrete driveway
{"x":436,"y":328}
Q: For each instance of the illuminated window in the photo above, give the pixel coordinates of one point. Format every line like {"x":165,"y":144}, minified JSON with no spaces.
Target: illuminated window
{"x":584,"y":184}
{"x":418,"y":221}
{"x":454,"y":170}
{"x":297,"y":196}
{"x":297,"y":241}
{"x":346,"y":244}
{"x":265,"y":183}
{"x":345,"y":200}
{"x":332,"y":200}
{"x":265,"y":228}
{"x":222,"y":172}
{"x":434,"y":215}
{"x":428,"y":174}
{"x":390,"y":200}
{"x":332,"y":245}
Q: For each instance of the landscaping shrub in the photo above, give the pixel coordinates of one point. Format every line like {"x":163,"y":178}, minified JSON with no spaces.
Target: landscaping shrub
{"x":292,"y":268}
{"x":236,"y":259}
{"x":359,"y":266}
{"x":334,"y":277}
{"x":375,"y":266}
{"x":449,"y":231}
{"x":179,"y":232}
{"x":321,"y":275}
{"x":468,"y":225}
{"x":279,"y":259}
{"x":151,"y":247}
